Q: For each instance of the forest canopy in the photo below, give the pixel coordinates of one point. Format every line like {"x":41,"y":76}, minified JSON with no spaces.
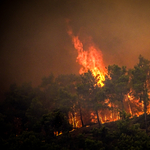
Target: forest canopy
{"x":44,"y":117}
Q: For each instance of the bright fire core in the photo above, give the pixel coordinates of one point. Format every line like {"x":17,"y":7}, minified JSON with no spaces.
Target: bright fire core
{"x":89,"y":59}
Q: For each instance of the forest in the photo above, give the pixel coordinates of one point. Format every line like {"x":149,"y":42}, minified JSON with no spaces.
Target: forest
{"x":75,"y":112}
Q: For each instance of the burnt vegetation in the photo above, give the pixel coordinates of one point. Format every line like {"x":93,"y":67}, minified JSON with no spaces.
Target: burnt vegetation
{"x":74,"y":112}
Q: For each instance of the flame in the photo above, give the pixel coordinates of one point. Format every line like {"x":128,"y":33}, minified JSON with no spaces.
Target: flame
{"x":74,"y":120}
{"x":132,"y":106}
{"x":57,"y":134}
{"x":90,"y":59}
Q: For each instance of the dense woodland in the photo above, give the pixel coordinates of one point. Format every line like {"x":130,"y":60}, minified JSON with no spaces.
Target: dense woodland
{"x":49,"y":116}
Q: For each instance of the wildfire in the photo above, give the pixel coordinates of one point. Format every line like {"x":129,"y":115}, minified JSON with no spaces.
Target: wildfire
{"x":89,"y":59}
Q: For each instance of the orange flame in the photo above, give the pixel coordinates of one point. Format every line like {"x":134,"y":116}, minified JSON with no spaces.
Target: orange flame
{"x":90,"y":59}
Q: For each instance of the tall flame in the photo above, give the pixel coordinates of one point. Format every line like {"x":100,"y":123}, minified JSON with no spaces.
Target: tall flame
{"x":90,"y":59}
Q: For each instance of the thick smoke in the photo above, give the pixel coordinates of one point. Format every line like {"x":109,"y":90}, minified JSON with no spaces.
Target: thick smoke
{"x":34,"y":40}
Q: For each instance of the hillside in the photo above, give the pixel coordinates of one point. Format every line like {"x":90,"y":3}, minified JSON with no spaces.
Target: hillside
{"x":113,"y":125}
{"x":126,"y":135}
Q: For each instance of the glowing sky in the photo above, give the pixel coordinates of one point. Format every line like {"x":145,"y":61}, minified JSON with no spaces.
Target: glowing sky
{"x":34,"y":40}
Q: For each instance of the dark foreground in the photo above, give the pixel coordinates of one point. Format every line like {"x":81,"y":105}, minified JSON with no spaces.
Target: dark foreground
{"x":127,"y":134}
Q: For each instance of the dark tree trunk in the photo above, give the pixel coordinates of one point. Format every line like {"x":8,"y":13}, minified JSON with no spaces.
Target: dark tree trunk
{"x":122,"y":105}
{"x":145,"y":114}
{"x":145,"y":104}
{"x":129,"y":106}
{"x":112,"y":109}
{"x":74,"y":123}
{"x":99,"y":123}
{"x":81,"y":117}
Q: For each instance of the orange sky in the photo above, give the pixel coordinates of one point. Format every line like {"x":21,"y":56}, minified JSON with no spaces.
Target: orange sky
{"x":34,"y":40}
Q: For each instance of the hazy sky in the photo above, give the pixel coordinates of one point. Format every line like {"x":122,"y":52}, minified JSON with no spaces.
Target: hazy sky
{"x":34,"y":40}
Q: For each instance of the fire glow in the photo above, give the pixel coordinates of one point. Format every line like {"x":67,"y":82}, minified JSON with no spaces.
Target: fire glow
{"x":91,"y":59}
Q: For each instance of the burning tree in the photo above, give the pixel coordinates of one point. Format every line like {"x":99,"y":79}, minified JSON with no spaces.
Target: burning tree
{"x":91,"y":93}
{"x":140,"y":82}
{"x":116,"y":85}
{"x":115,"y":80}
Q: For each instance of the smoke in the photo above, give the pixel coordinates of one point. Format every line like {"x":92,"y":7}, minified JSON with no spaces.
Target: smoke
{"x":34,"y":40}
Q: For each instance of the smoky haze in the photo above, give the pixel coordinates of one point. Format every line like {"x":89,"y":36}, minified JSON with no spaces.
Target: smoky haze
{"x":34,"y":40}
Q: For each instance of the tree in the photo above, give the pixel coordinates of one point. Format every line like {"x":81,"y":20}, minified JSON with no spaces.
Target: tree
{"x":18,"y":100}
{"x":116,"y":84}
{"x":55,"y":122}
{"x":34,"y":113}
{"x":65,"y":101}
{"x":49,"y":92}
{"x":68,"y":82}
{"x":67,"y":96}
{"x":91,"y":94}
{"x":140,"y":83}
